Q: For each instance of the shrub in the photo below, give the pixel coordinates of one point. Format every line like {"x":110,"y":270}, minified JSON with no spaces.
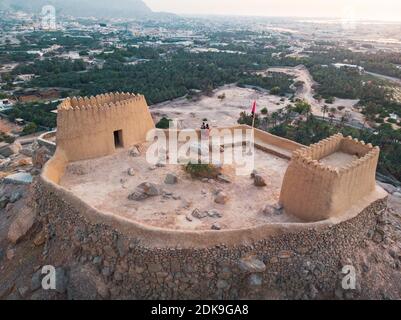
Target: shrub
{"x":164,"y":123}
{"x":275,"y":91}
{"x":30,"y":128}
{"x":200,"y":170}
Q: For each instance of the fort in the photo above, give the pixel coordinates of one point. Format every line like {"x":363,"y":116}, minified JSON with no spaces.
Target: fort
{"x":316,"y":205}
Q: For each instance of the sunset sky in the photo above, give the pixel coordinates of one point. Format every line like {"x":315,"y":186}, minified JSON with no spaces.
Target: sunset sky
{"x":360,"y":9}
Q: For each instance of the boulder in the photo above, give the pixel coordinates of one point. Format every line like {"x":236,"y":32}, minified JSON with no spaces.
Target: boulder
{"x":199,"y":214}
{"x":26,"y":151}
{"x":40,"y":157}
{"x":259,"y":181}
{"x":22,"y":224}
{"x":15,"y":196}
{"x":40,"y":238}
{"x":20,"y":178}
{"x":223,"y":178}
{"x":131,"y":172}
{"x":10,"y":149}
{"x":61,"y":280}
{"x":85,"y":284}
{"x":4,"y":163}
{"x":251,"y":265}
{"x":36,"y":280}
{"x":221,"y":198}
{"x":170,"y":179}
{"x":144,"y":191}
{"x":255,"y":280}
{"x":10,"y":254}
{"x":4,"y":200}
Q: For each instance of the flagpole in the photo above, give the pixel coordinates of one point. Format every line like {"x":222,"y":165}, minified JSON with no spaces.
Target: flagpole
{"x":253,"y":113}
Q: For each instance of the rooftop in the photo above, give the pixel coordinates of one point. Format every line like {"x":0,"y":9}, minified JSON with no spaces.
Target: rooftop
{"x":173,"y":208}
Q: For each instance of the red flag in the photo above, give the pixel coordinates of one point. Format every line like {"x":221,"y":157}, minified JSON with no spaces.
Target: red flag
{"x":254,"y":107}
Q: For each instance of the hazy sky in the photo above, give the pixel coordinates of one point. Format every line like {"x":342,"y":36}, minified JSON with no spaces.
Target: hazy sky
{"x":360,"y":9}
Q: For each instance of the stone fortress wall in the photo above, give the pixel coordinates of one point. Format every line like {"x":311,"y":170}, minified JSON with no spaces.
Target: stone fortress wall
{"x":139,"y":261}
{"x":315,"y":191}
{"x":290,"y":263}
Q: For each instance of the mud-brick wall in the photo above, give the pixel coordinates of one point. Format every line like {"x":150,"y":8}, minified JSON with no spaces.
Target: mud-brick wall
{"x":313,"y":191}
{"x":86,"y":130}
{"x":298,"y":265}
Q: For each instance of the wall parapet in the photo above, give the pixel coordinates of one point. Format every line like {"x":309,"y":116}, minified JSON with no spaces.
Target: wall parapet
{"x":313,"y":190}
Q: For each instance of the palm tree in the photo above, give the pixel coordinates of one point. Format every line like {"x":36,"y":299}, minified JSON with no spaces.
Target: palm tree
{"x":325,"y":109}
{"x":275,"y":117}
{"x":287,"y":109}
{"x":331,"y":116}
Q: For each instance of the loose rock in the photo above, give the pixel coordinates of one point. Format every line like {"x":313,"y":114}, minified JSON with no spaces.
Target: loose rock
{"x":214,"y":214}
{"x":259,"y":181}
{"x":251,"y":265}
{"x":221,"y":198}
{"x":170,"y":179}
{"x":21,"y":225}
{"x":40,"y":157}
{"x":199,"y":214}
{"x":216,"y":226}
{"x":272,"y":210}
{"x":144,"y":191}
{"x":223,"y":178}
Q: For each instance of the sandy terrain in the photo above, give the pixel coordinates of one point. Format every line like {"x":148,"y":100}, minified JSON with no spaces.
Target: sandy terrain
{"x":218,"y":112}
{"x":242,"y":209}
{"x":226,"y":112}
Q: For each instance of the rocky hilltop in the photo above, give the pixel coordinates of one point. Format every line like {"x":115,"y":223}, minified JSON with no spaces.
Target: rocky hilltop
{"x":27,"y":243}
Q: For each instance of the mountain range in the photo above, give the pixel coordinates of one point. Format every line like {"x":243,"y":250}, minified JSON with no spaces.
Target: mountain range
{"x":84,"y":8}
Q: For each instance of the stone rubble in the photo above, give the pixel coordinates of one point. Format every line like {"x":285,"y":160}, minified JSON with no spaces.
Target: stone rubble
{"x":145,"y":190}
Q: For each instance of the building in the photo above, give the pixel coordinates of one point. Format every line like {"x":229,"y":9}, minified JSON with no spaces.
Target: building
{"x":5,"y":104}
{"x":94,"y":127}
{"x":318,"y":202}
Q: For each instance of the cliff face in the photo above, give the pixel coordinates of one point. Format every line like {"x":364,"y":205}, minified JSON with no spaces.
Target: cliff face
{"x":85,"y":8}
